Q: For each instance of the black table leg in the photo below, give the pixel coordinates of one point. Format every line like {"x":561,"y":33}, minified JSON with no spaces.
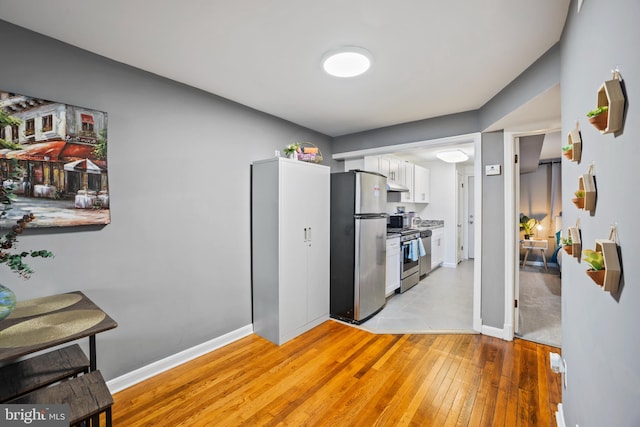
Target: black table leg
{"x":92,"y":353}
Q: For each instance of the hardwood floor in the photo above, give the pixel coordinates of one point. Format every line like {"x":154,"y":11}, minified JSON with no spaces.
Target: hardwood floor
{"x":336,"y":375}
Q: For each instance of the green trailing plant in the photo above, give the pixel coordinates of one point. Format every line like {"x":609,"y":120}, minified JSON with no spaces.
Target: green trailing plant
{"x":594,"y":259}
{"x":597,"y":111}
{"x":527,"y":224}
{"x":15,"y":260}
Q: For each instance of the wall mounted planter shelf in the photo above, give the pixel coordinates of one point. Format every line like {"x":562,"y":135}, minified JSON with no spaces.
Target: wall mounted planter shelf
{"x":610,"y":95}
{"x":576,"y":243}
{"x":586,"y":184}
{"x":573,"y":139}
{"x":611,"y":274}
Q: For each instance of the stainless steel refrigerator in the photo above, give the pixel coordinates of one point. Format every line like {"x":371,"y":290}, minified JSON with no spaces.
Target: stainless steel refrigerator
{"x":358,"y":245}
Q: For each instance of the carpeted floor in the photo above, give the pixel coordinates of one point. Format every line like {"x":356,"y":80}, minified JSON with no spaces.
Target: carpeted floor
{"x":441,"y":302}
{"x":540,"y":305}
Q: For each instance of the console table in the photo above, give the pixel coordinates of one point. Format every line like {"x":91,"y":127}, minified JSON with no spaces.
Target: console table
{"x":43,"y":323}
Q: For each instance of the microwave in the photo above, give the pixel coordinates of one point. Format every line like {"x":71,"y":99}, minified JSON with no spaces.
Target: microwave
{"x":399,"y":221}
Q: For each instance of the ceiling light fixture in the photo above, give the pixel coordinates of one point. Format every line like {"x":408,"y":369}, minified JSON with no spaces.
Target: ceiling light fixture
{"x":348,"y":61}
{"x":452,"y":156}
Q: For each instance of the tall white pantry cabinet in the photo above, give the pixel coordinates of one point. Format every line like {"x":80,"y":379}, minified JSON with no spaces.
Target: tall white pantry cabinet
{"x":290,"y":247}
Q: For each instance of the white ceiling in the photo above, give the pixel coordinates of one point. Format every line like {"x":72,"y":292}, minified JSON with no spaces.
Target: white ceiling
{"x":430,"y":58}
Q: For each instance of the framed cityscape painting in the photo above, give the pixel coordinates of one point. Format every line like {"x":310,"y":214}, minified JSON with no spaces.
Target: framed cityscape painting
{"x":53,"y":163}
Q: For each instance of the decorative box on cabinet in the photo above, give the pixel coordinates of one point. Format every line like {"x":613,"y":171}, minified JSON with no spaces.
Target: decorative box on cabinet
{"x":290,"y":250}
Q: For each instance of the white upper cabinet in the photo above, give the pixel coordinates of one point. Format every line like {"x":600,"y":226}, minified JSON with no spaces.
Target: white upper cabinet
{"x":414,"y":177}
{"x":407,"y":180}
{"x":421,"y":178}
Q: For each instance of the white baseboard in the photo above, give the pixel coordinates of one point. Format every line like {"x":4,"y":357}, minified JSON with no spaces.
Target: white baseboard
{"x":134,"y":377}
{"x":560,"y":416}
{"x":493,"y":332}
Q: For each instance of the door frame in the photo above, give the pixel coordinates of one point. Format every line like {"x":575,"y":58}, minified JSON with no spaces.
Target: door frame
{"x":476,"y":139}
{"x":512,"y":228}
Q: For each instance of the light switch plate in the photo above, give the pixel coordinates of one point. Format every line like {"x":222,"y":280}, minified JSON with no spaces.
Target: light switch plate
{"x":492,"y":170}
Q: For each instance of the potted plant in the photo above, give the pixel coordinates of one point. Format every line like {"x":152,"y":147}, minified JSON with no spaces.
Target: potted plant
{"x":579,"y":199}
{"x":292,"y":151}
{"x":567,"y":150}
{"x":567,"y":244}
{"x":527,"y":225}
{"x":596,"y":262}
{"x":598,"y":118}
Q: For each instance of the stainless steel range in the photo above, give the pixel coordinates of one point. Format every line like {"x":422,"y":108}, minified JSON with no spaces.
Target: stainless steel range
{"x":409,"y":257}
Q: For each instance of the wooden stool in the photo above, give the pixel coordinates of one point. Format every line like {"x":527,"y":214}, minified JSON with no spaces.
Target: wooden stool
{"x":86,"y":395}
{"x":28,"y":375}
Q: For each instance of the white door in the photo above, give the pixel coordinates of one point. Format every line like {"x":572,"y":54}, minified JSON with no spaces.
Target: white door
{"x":471,"y":221}
{"x":460,"y":220}
{"x":516,"y":201}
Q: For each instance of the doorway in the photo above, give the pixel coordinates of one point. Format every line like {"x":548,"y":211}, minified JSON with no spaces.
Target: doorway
{"x":473,"y":268}
{"x":538,"y":202}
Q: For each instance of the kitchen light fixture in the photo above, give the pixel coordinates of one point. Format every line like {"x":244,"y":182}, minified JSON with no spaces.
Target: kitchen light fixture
{"x":348,"y":61}
{"x":452,"y":156}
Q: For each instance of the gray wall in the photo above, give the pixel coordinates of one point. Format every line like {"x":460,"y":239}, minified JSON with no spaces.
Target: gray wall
{"x":543,"y":74}
{"x":421,"y":130}
{"x":492,"y":305}
{"x":173,"y":267}
{"x":600,"y":330}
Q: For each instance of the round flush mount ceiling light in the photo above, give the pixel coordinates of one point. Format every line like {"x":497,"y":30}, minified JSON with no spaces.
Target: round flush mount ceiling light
{"x":452,"y":156}
{"x":348,"y":61}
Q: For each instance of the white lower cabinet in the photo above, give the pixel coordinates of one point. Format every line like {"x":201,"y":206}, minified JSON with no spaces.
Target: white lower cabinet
{"x":393,"y":266}
{"x":290,"y":247}
{"x":437,"y":247}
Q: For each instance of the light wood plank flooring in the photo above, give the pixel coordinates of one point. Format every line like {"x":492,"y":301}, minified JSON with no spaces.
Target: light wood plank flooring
{"x":337,"y":375}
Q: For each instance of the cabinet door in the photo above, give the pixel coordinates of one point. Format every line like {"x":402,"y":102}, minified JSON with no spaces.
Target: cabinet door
{"x":384,"y":167}
{"x":293,"y":224}
{"x":437,"y":248}
{"x":393,"y":265}
{"x":372,"y":164}
{"x":421,"y":184}
{"x":317,"y":212}
{"x":408,"y":196}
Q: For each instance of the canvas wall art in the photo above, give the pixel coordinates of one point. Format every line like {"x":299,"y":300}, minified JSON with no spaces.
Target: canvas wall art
{"x":53,"y":158}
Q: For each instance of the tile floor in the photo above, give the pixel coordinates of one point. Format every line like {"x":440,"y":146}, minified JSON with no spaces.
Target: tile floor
{"x":441,"y":302}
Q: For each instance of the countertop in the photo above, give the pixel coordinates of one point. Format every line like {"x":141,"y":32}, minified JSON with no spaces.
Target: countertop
{"x":425,"y":224}
{"x":429,"y":224}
